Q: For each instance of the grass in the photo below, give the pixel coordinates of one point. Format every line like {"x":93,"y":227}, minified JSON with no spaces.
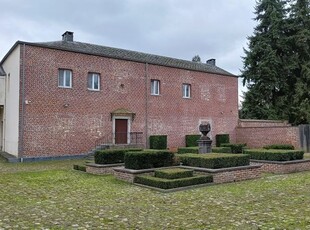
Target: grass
{"x":51,"y":195}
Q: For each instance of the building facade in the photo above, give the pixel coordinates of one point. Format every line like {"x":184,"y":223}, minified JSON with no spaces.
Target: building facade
{"x":63,"y":98}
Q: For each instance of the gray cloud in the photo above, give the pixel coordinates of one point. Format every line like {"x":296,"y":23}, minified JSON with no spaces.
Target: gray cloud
{"x":175,"y":28}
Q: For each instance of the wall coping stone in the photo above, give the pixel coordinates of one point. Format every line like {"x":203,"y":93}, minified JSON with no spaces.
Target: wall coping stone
{"x":104,"y":165}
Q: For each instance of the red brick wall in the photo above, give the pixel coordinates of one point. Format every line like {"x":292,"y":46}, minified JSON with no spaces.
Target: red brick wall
{"x":50,"y":129}
{"x":266,"y":133}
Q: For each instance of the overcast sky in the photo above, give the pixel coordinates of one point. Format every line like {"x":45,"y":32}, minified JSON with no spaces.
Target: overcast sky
{"x":174,"y":28}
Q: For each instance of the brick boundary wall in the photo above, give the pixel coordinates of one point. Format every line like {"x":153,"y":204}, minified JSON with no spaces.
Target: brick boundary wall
{"x":258,"y":134}
{"x":283,"y":167}
{"x":101,"y":169}
{"x":219,"y":175}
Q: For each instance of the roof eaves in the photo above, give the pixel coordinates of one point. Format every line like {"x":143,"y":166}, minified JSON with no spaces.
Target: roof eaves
{"x":2,"y":72}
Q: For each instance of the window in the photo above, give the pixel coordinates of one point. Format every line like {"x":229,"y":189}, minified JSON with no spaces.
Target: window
{"x":155,"y":87}
{"x":65,"y":78}
{"x":93,"y":81}
{"x":186,"y":90}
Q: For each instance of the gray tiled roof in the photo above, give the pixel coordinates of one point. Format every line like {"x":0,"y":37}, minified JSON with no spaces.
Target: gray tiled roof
{"x":2,"y":72}
{"x":123,"y":54}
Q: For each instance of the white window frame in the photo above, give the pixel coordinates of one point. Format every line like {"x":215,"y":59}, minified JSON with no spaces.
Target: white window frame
{"x":186,"y":90}
{"x":64,"y":74}
{"x":155,"y":87}
{"x":92,"y":81}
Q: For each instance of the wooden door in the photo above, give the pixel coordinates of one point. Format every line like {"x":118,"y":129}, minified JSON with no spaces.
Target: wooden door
{"x":121,"y":129}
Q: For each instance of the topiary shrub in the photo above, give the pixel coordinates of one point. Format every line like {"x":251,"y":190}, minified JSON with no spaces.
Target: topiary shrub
{"x":191,"y":140}
{"x":279,"y":146}
{"x":80,"y":167}
{"x":183,"y":150}
{"x":221,"y":150}
{"x":175,"y":183}
{"x":221,"y":138}
{"x":214,"y":160}
{"x":158,"y":142}
{"x":235,"y":148}
{"x":111,"y":156}
{"x":274,"y":154}
{"x":173,"y":173}
{"x":148,"y":159}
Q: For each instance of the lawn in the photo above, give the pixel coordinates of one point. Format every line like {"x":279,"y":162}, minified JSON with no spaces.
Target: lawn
{"x":50,"y":195}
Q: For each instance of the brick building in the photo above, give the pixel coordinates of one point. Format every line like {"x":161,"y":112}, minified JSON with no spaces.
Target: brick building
{"x":64,"y":97}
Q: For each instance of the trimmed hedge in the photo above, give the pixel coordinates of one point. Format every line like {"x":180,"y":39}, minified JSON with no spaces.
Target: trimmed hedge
{"x":191,"y":140}
{"x":174,"y":173}
{"x":214,"y":160}
{"x":111,"y":156}
{"x":158,"y":142}
{"x":221,"y":138}
{"x":183,"y":150}
{"x":79,"y":167}
{"x":235,"y":148}
{"x":279,"y":146}
{"x":274,"y":154}
{"x":175,"y":183}
{"x":148,"y":159}
{"x":221,"y":150}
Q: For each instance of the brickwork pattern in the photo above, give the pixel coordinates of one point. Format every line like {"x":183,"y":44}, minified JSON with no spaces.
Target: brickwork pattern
{"x":61,"y":121}
{"x":103,"y":170}
{"x":283,"y":168}
{"x":257,"y":137}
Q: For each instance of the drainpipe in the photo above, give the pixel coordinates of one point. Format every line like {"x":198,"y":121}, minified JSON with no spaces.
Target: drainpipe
{"x":21,"y":123}
{"x":146,"y":104}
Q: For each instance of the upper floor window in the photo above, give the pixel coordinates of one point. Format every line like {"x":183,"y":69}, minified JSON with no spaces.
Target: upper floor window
{"x":65,"y":78}
{"x":93,"y":81}
{"x":155,"y":84}
{"x":186,"y":88}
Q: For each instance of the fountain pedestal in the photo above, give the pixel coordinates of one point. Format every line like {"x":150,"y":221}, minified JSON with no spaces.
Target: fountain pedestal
{"x":204,"y":143}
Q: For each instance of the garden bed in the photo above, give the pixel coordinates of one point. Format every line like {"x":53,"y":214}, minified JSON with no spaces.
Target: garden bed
{"x":283,"y":167}
{"x":101,"y":169}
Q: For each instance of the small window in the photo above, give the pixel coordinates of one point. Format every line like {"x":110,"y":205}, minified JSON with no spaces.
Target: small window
{"x":155,"y":84}
{"x":65,"y":78}
{"x":186,"y":90}
{"x":93,"y":81}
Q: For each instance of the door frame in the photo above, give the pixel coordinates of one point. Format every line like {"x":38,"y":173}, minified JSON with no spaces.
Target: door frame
{"x":128,"y":127}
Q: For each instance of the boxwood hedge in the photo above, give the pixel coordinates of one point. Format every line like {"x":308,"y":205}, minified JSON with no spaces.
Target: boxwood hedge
{"x":173,"y":173}
{"x":191,"y":140}
{"x":214,"y":160}
{"x":235,"y":148}
{"x":279,"y":146}
{"x":112,"y":156}
{"x":274,"y":154}
{"x":148,"y":159}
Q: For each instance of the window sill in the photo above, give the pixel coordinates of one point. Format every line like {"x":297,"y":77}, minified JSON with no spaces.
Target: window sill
{"x":94,"y":90}
{"x":64,"y":87}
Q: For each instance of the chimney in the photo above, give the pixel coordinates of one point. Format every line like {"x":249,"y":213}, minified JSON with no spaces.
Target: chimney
{"x":211,"y":61}
{"x":67,"y":36}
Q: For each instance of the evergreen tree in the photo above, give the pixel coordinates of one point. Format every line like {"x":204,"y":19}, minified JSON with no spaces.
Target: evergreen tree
{"x":299,"y":39}
{"x":264,"y":72}
{"x":196,"y":58}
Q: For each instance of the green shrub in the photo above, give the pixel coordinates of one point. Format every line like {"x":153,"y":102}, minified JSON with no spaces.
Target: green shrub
{"x":175,"y":183}
{"x":274,"y":154}
{"x":158,"y":142}
{"x":235,"y":148}
{"x":183,"y":150}
{"x":148,"y":159}
{"x":79,"y":167}
{"x":191,"y":140}
{"x":111,"y":156}
{"x":279,"y":146}
{"x":174,"y":173}
{"x":221,"y":138}
{"x":214,"y":160}
{"x":221,"y":150}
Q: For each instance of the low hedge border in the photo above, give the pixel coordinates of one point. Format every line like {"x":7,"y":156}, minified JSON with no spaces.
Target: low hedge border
{"x":274,"y":154}
{"x":174,"y":183}
{"x":112,"y":156}
{"x":80,"y":167}
{"x":148,"y":159}
{"x":183,"y":150}
{"x":214,"y":160}
{"x":221,"y":150}
{"x":279,"y":146}
{"x":173,"y":173}
{"x":235,"y":148}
